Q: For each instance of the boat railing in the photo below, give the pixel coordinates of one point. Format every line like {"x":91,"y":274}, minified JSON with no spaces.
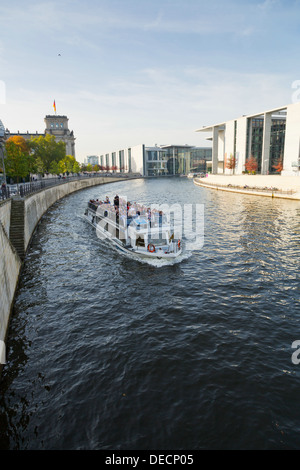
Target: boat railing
{"x":139,"y":221}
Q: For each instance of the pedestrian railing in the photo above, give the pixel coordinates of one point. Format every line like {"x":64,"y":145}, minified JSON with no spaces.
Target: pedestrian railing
{"x":24,"y":189}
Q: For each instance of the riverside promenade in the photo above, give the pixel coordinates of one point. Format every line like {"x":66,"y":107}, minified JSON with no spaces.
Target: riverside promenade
{"x":274,"y":186}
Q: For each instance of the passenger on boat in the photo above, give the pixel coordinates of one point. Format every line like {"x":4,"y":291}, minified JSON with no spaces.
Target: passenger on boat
{"x":116,"y":201}
{"x":107,"y":201}
{"x":131,"y":211}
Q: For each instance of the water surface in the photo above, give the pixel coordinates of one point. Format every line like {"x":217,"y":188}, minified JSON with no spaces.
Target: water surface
{"x":106,"y":352}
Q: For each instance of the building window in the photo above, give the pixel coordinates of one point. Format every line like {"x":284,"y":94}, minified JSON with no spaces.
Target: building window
{"x":121,"y":160}
{"x":129,"y":160}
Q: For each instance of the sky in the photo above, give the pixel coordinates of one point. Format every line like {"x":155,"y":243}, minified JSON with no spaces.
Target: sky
{"x":130,"y":72}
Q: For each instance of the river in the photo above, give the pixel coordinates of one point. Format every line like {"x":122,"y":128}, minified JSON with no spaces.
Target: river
{"x":106,"y":352}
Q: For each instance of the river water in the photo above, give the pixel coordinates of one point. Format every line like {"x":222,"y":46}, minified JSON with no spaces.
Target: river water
{"x":106,"y":352}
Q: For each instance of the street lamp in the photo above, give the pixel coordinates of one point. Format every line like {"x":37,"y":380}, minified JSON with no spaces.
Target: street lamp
{"x":2,"y":136}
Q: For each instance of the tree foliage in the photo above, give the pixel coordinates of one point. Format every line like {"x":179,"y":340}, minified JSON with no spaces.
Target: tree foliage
{"x":18,"y":163}
{"x":66,"y":164}
{"x":46,"y":151}
{"x":39,"y":155}
{"x":279,"y":165}
{"x":251,"y":164}
{"x":231,"y":162}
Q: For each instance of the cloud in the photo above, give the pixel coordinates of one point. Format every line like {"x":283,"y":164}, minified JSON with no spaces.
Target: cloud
{"x":268,"y":4}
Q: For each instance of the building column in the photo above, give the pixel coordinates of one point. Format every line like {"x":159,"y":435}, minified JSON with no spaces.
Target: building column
{"x":265,"y":156}
{"x":215,"y":150}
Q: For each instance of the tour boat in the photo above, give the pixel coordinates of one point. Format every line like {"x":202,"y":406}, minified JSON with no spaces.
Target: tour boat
{"x":133,"y":229}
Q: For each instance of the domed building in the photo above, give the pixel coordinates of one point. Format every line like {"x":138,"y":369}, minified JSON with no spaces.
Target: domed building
{"x":55,"y":125}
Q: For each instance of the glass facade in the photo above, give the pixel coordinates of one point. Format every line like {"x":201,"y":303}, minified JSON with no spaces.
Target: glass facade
{"x":255,"y":135}
{"x":156,"y":162}
{"x":277,"y":145}
{"x":121,"y":161}
{"x":176,"y":160}
{"x":113,"y":161}
{"x":129,"y":160}
{"x":199,"y":158}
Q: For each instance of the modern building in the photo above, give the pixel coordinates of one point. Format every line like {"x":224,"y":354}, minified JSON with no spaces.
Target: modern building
{"x":270,"y":139}
{"x":164,"y":160}
{"x":92,"y":160}
{"x":55,"y":125}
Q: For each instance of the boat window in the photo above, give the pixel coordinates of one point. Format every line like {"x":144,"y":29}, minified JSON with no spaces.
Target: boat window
{"x":140,"y":241}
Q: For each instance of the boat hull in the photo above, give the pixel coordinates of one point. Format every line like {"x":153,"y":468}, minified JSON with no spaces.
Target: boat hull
{"x":129,"y":250}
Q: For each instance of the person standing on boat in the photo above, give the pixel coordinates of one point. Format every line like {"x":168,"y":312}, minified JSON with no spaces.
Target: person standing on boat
{"x":116,"y":202}
{"x":149,"y":216}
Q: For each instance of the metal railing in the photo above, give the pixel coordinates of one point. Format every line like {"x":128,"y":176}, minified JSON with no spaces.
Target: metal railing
{"x":24,"y":189}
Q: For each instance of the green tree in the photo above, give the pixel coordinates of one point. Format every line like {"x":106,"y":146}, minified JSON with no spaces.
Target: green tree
{"x":46,"y":150}
{"x":96,"y":168}
{"x":18,"y":162}
{"x":66,"y":164}
{"x":89,"y":167}
{"x":76,"y":168}
{"x":54,"y":168}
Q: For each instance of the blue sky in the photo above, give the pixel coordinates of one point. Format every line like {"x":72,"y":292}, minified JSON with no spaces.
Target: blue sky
{"x":137,"y":71}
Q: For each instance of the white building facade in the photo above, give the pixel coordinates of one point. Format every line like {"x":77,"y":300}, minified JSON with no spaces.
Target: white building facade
{"x":128,"y":160}
{"x":270,"y":139}
{"x":164,"y":160}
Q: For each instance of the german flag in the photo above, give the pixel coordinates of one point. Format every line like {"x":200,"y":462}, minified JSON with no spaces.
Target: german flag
{"x":54,"y":106}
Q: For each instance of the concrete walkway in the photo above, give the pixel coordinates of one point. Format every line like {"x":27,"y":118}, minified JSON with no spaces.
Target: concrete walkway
{"x":287,"y":187}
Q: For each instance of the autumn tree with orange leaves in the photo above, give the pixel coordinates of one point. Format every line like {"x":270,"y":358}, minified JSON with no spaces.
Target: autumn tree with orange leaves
{"x":279,"y":165}
{"x":18,"y":162}
{"x":231,"y":162}
{"x":251,"y":165}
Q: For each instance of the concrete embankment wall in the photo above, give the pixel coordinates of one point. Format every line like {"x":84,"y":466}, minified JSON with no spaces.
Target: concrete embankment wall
{"x":14,"y":241}
{"x":37,"y":204}
{"x":10,"y":266}
{"x":284,"y":187}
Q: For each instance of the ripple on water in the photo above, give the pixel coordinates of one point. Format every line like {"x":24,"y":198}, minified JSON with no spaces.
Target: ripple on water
{"x":106,"y":352}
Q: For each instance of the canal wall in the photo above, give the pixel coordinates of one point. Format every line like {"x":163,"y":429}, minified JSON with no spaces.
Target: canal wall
{"x":18,"y":220}
{"x":10,"y":267}
{"x":274,"y":186}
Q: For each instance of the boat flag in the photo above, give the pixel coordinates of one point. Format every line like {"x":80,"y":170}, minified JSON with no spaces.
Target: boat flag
{"x":54,"y":106}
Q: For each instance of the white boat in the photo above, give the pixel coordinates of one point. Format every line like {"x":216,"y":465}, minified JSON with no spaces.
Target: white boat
{"x":135,"y":232}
